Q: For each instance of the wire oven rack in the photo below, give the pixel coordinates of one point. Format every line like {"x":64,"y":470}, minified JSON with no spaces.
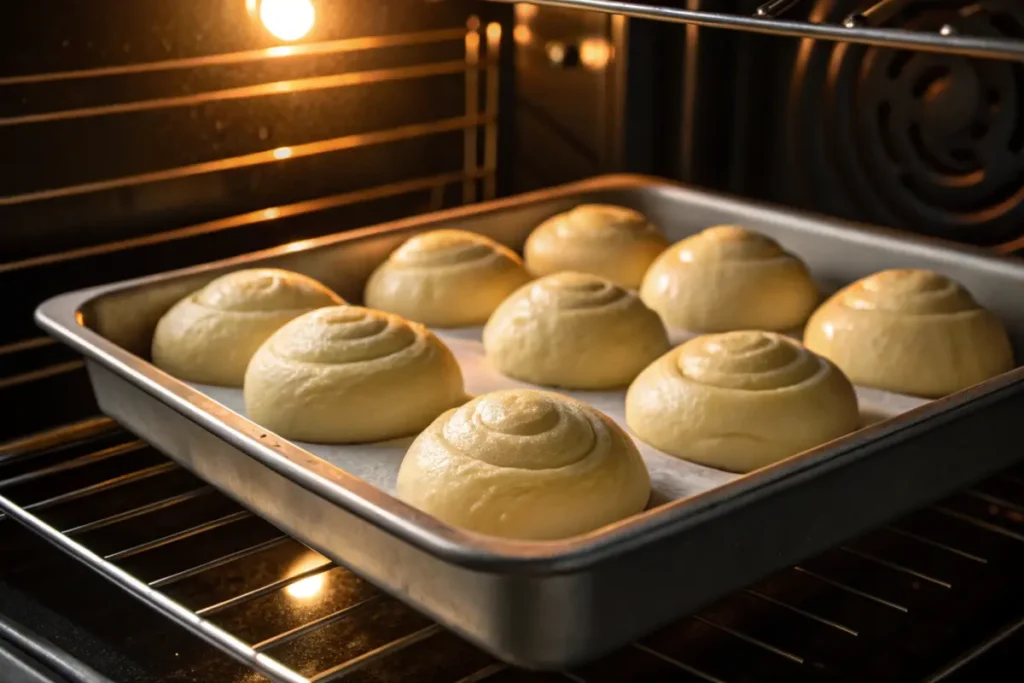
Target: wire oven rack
{"x":890,"y":606}
{"x":864,"y":27}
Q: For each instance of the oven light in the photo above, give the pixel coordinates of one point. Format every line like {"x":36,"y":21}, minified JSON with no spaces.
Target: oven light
{"x":283,"y":152}
{"x":493,"y":33}
{"x":595,"y":53}
{"x":286,"y":19}
{"x":306,"y":588}
{"x":556,"y":52}
{"x":525,"y":11}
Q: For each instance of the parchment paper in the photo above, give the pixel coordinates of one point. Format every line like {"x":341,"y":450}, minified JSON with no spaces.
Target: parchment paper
{"x":671,"y":478}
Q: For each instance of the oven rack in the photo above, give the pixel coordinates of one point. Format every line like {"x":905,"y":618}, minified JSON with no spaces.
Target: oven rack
{"x":864,"y":27}
{"x":883,"y":607}
{"x":156,"y":187}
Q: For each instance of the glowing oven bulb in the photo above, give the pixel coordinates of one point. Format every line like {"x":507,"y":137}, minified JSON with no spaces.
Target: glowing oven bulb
{"x":288,"y":19}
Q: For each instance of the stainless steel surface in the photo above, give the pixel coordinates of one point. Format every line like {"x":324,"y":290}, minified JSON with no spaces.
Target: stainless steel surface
{"x":875,"y":15}
{"x":975,"y":653}
{"x":776,"y":8}
{"x":550,"y":604}
{"x":972,"y":46}
{"x":43,"y":656}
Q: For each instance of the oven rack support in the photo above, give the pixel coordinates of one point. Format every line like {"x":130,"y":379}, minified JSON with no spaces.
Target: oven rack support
{"x":859,"y":28}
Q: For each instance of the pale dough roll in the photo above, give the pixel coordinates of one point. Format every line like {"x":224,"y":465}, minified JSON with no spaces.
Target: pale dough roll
{"x":611,"y":241}
{"x":351,"y":375}
{"x":525,"y":464}
{"x":446,"y":278}
{"x":576,"y":331}
{"x":740,"y":400}
{"x":729,"y":278}
{"x":209,"y":336}
{"x":912,"y":332}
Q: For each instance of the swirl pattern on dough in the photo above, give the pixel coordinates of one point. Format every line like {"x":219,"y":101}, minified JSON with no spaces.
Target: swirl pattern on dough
{"x":729,"y":278}
{"x":609,"y":241}
{"x":752,"y":362}
{"x":445,"y":248}
{"x":907,"y":292}
{"x":351,"y":375}
{"x":446,"y":278}
{"x":740,"y":400}
{"x":574,"y":330}
{"x":910,"y":331}
{"x":210,"y":335}
{"x":525,"y":464}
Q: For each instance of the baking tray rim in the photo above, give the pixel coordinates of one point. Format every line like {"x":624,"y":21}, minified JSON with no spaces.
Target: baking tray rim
{"x":61,"y":317}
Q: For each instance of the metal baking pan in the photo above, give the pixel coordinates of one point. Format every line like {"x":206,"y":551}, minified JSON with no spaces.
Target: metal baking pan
{"x":555,"y":604}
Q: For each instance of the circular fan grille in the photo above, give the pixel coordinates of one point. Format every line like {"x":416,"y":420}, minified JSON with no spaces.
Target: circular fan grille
{"x":928,"y":142}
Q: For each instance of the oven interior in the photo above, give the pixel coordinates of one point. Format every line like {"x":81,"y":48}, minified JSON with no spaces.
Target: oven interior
{"x":140,"y":136}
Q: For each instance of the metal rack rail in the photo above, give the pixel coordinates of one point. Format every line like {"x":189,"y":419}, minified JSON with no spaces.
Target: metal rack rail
{"x":862,"y":27}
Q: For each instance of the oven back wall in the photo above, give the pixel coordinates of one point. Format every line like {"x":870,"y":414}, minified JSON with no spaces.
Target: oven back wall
{"x":128,"y":117}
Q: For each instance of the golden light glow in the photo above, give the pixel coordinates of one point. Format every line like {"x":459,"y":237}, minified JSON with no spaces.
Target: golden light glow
{"x":522,"y":35}
{"x":298,"y":245}
{"x":555,"y":51}
{"x":250,"y":6}
{"x":310,"y":586}
{"x":288,"y":19}
{"x":595,"y":53}
{"x":472,"y":47}
{"x":493,"y":33}
{"x":525,"y":11}
{"x":283,"y":152}
{"x":306,"y":588}
{"x":281,"y":51}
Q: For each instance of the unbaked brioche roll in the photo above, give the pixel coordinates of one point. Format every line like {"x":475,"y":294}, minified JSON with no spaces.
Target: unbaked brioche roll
{"x":740,"y":400}
{"x":611,"y":241}
{"x":348,"y":375}
{"x":912,"y":332}
{"x":729,"y":278}
{"x":446,"y":278}
{"x":210,"y":335}
{"x":576,"y":331}
{"x":525,"y":464}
